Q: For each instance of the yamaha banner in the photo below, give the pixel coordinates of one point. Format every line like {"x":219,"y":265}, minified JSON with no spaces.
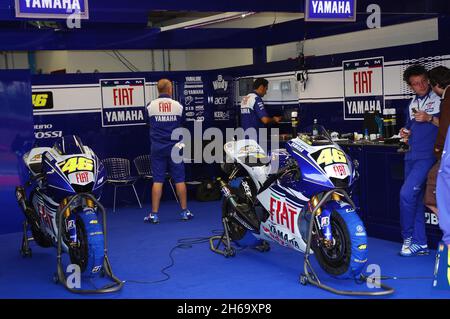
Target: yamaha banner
{"x":123,"y":102}
{"x":363,"y":87}
{"x":50,"y":9}
{"x":330,"y":10}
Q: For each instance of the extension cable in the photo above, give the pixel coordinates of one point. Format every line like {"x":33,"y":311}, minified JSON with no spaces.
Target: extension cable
{"x":183,"y":243}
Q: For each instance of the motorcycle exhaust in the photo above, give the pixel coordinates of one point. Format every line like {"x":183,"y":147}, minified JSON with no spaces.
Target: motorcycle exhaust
{"x":241,"y":210}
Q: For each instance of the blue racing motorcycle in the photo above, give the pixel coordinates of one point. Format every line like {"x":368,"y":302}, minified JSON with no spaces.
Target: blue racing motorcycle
{"x":59,"y":197}
{"x":297,"y":197}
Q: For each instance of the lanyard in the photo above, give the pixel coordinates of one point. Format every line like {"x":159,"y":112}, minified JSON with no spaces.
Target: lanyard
{"x":419,"y":107}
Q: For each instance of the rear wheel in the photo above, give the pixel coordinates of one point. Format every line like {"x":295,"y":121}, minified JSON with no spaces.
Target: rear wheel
{"x":235,"y":229}
{"x":39,"y":236}
{"x":89,"y":252}
{"x":243,"y":196}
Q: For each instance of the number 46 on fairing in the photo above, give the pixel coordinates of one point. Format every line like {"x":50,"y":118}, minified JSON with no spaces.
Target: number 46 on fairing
{"x":330,"y":156}
{"x":76,"y":164}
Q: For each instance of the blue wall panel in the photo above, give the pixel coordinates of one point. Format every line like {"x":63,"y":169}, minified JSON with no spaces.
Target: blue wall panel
{"x":16,"y":133}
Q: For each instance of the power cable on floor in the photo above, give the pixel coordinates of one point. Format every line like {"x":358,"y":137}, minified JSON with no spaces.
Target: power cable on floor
{"x":183,"y":243}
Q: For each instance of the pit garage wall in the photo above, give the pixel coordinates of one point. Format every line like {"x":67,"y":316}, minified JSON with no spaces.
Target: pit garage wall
{"x":323,"y":96}
{"x":16,"y":134}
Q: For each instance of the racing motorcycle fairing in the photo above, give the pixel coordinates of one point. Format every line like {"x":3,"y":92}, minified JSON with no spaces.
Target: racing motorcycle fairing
{"x":55,"y":175}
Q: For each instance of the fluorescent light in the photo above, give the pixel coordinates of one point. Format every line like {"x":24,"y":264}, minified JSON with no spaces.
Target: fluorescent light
{"x":208,"y":20}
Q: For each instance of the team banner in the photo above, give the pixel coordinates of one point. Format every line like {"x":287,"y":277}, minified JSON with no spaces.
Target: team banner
{"x":49,"y":9}
{"x":123,"y":102}
{"x":221,"y":98}
{"x":193,"y":98}
{"x":363,"y":87}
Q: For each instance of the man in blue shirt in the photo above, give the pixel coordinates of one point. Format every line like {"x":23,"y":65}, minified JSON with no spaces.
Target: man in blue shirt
{"x":253,"y":113}
{"x":165,"y":115}
{"x":420,"y":130}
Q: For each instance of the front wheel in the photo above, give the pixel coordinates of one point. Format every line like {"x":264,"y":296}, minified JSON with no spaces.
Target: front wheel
{"x":347,"y":256}
{"x":89,"y":252}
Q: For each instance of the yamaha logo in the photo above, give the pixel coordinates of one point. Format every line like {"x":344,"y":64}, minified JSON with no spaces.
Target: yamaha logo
{"x":220,"y":84}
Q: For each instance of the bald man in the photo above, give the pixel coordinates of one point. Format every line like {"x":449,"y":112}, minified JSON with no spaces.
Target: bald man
{"x":165,"y":115}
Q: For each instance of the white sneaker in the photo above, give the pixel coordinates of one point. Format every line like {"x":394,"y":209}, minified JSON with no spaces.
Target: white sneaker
{"x":406,"y":245}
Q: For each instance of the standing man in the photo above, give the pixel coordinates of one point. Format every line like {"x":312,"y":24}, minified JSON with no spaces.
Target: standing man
{"x":421,"y":130}
{"x":165,"y":115}
{"x":253,"y":113}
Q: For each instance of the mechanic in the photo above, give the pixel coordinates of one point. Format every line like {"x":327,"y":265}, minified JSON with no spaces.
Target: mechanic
{"x":421,"y":130}
{"x":253,"y":113}
{"x":165,"y":115}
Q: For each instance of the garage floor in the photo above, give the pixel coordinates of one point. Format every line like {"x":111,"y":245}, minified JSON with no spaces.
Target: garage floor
{"x":138,"y":252}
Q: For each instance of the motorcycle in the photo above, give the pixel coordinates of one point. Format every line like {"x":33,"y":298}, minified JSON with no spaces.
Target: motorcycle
{"x":59,"y":197}
{"x":296,"y":197}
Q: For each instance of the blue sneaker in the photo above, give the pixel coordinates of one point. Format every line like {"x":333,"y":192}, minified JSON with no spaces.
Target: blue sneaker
{"x":186,"y":214}
{"x":415,"y":250}
{"x":152,"y":218}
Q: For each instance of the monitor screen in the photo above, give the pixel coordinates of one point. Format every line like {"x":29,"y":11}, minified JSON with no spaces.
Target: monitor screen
{"x":245,"y":86}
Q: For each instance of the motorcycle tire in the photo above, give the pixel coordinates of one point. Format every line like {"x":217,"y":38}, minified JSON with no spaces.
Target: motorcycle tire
{"x":89,"y":254}
{"x":235,"y":229}
{"x":39,"y":236}
{"x":347,"y":258}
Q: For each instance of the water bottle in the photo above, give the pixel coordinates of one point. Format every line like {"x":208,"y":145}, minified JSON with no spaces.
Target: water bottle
{"x":315,"y":130}
{"x":379,"y":121}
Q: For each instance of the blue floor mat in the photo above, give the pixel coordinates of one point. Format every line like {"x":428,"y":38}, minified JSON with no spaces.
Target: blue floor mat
{"x":139,"y":251}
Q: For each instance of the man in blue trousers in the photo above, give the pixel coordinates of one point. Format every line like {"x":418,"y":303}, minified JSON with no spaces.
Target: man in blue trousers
{"x":420,"y":130}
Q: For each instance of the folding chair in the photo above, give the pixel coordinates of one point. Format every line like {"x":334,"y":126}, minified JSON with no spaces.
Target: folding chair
{"x":144,"y":169}
{"x":118,"y":174}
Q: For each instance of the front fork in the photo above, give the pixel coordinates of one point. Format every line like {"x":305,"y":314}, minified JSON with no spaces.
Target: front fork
{"x":322,"y":218}
{"x":70,"y":218}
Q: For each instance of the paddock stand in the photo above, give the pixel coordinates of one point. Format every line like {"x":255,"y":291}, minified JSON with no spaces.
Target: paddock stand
{"x":25,"y":249}
{"x":60,"y":276}
{"x":228,"y":250}
{"x":310,"y":275}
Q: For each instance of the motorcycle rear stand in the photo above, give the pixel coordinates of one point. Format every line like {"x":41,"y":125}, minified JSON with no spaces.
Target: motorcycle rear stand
{"x":59,"y":276}
{"x":25,"y":249}
{"x":309,"y":275}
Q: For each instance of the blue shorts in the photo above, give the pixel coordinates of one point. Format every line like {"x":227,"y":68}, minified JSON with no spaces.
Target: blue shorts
{"x":160,"y":163}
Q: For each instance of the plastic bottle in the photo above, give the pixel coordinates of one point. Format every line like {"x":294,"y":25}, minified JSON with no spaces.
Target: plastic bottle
{"x":315,"y":130}
{"x":366,"y":134}
{"x":379,"y":121}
